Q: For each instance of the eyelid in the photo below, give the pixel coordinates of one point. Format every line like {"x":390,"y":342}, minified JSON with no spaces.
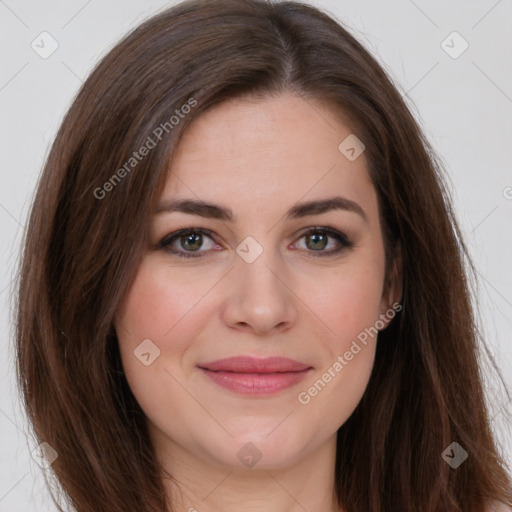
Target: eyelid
{"x":340,"y":236}
{"x":180,"y":232}
{"x":165,"y":243}
{"x":324,"y":229}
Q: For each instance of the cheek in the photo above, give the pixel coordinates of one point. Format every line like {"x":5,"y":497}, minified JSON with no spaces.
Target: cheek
{"x":169,"y":315}
{"x":349,"y":303}
{"x":161,"y":303}
{"x":350,"y":309}
{"x":349,"y":306}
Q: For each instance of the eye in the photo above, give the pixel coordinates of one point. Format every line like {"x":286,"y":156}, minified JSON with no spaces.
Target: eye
{"x":320,"y":238}
{"x":186,"y":242}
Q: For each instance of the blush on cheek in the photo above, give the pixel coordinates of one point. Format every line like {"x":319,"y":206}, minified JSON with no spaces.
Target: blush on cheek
{"x":155,"y":304}
{"x":352,"y":311}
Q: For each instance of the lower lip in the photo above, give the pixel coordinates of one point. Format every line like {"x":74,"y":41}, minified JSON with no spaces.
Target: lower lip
{"x":255,"y":383}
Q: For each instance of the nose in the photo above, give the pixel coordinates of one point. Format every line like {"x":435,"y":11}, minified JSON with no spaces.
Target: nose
{"x":258,"y":297}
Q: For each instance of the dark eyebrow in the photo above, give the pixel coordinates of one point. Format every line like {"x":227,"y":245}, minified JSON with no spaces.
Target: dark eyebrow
{"x":215,"y":211}
{"x":326,"y":205}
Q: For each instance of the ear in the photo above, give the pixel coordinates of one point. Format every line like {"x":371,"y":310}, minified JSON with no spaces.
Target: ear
{"x":393,"y":288}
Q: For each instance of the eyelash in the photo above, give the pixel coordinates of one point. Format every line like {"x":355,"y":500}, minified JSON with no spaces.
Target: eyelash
{"x":166,"y":242}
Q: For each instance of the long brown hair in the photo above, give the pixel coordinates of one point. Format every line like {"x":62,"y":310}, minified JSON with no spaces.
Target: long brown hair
{"x":87,"y":232}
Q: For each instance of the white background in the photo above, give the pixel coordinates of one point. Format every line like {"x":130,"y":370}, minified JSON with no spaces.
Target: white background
{"x":463,"y":104}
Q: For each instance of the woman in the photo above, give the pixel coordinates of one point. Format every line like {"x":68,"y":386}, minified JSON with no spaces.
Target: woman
{"x":237,"y":206}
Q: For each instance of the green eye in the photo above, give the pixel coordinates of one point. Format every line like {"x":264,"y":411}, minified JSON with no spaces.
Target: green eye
{"x":188,"y":242}
{"x":318,"y":239}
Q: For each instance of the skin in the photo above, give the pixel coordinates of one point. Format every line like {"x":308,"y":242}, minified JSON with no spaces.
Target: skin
{"x":259,"y":158}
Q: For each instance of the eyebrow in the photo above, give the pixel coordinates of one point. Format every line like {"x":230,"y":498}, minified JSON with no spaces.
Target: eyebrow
{"x":216,"y":211}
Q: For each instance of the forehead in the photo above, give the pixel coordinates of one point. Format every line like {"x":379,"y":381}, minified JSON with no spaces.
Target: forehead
{"x":257,"y":153}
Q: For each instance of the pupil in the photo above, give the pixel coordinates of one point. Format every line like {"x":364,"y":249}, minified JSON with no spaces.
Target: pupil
{"x":190,"y":238}
{"x":315,"y":239}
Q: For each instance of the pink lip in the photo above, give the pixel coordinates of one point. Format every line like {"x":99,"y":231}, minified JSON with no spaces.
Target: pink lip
{"x":252,"y":376}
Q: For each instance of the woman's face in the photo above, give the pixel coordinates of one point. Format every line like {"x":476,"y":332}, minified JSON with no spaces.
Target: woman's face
{"x":268,"y":275}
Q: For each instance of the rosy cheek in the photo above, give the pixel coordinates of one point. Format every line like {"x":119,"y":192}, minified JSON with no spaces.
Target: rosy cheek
{"x":155,"y":303}
{"x":352,"y":303}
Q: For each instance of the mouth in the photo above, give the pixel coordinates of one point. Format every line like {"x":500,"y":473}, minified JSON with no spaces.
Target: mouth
{"x":252,"y":376}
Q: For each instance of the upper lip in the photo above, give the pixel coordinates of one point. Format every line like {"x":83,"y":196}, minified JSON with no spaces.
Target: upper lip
{"x":248,"y":364}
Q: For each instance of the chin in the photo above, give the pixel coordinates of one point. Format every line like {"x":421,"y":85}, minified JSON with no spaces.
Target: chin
{"x":260,"y":448}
